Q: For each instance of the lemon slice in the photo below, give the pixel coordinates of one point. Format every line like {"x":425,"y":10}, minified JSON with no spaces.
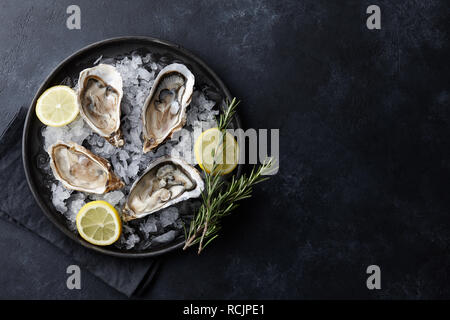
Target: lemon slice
{"x":99,"y":223}
{"x":212,"y":146}
{"x":57,"y":106}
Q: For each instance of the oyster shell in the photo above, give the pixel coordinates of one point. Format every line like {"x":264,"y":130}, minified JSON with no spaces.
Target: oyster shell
{"x":79,"y":169}
{"x":99,"y":96}
{"x":167,"y":181}
{"x":164,"y":110}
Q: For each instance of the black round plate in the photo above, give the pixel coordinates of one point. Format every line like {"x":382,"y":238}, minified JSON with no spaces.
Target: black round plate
{"x":84,"y":58}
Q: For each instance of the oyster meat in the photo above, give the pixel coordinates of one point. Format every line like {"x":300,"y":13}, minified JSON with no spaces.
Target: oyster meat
{"x":164,"y":110}
{"x":167,"y":181}
{"x":99,"y":96}
{"x":79,"y":169}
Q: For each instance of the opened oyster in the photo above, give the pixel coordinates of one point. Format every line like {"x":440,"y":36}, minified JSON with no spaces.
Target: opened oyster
{"x":164,"y":110}
{"x":79,"y":169}
{"x":167,"y":181}
{"x":99,"y":96}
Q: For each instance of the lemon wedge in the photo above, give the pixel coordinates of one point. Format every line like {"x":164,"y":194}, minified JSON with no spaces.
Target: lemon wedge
{"x":57,"y":106}
{"x":99,"y":223}
{"x":211,"y":146}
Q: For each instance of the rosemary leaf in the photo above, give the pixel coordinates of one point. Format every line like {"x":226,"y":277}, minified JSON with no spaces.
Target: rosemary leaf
{"x":219,"y":198}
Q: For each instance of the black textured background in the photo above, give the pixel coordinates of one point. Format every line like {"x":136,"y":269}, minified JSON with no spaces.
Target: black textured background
{"x":364,"y":133}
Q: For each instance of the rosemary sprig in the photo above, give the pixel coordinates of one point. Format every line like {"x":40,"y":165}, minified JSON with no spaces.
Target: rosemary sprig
{"x":221,"y":198}
{"x":226,"y":117}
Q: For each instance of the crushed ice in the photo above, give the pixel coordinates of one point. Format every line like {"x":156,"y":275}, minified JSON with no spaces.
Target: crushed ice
{"x":138,"y":74}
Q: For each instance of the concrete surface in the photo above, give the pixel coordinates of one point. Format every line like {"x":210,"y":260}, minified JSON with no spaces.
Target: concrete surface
{"x":364,"y":133}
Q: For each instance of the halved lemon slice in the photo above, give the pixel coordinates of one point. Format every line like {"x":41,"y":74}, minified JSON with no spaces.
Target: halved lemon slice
{"x":212,"y":147}
{"x":99,"y":223}
{"x":57,"y":106}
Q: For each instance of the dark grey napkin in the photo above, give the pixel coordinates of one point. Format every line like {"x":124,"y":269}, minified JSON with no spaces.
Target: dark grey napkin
{"x":129,"y":276}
